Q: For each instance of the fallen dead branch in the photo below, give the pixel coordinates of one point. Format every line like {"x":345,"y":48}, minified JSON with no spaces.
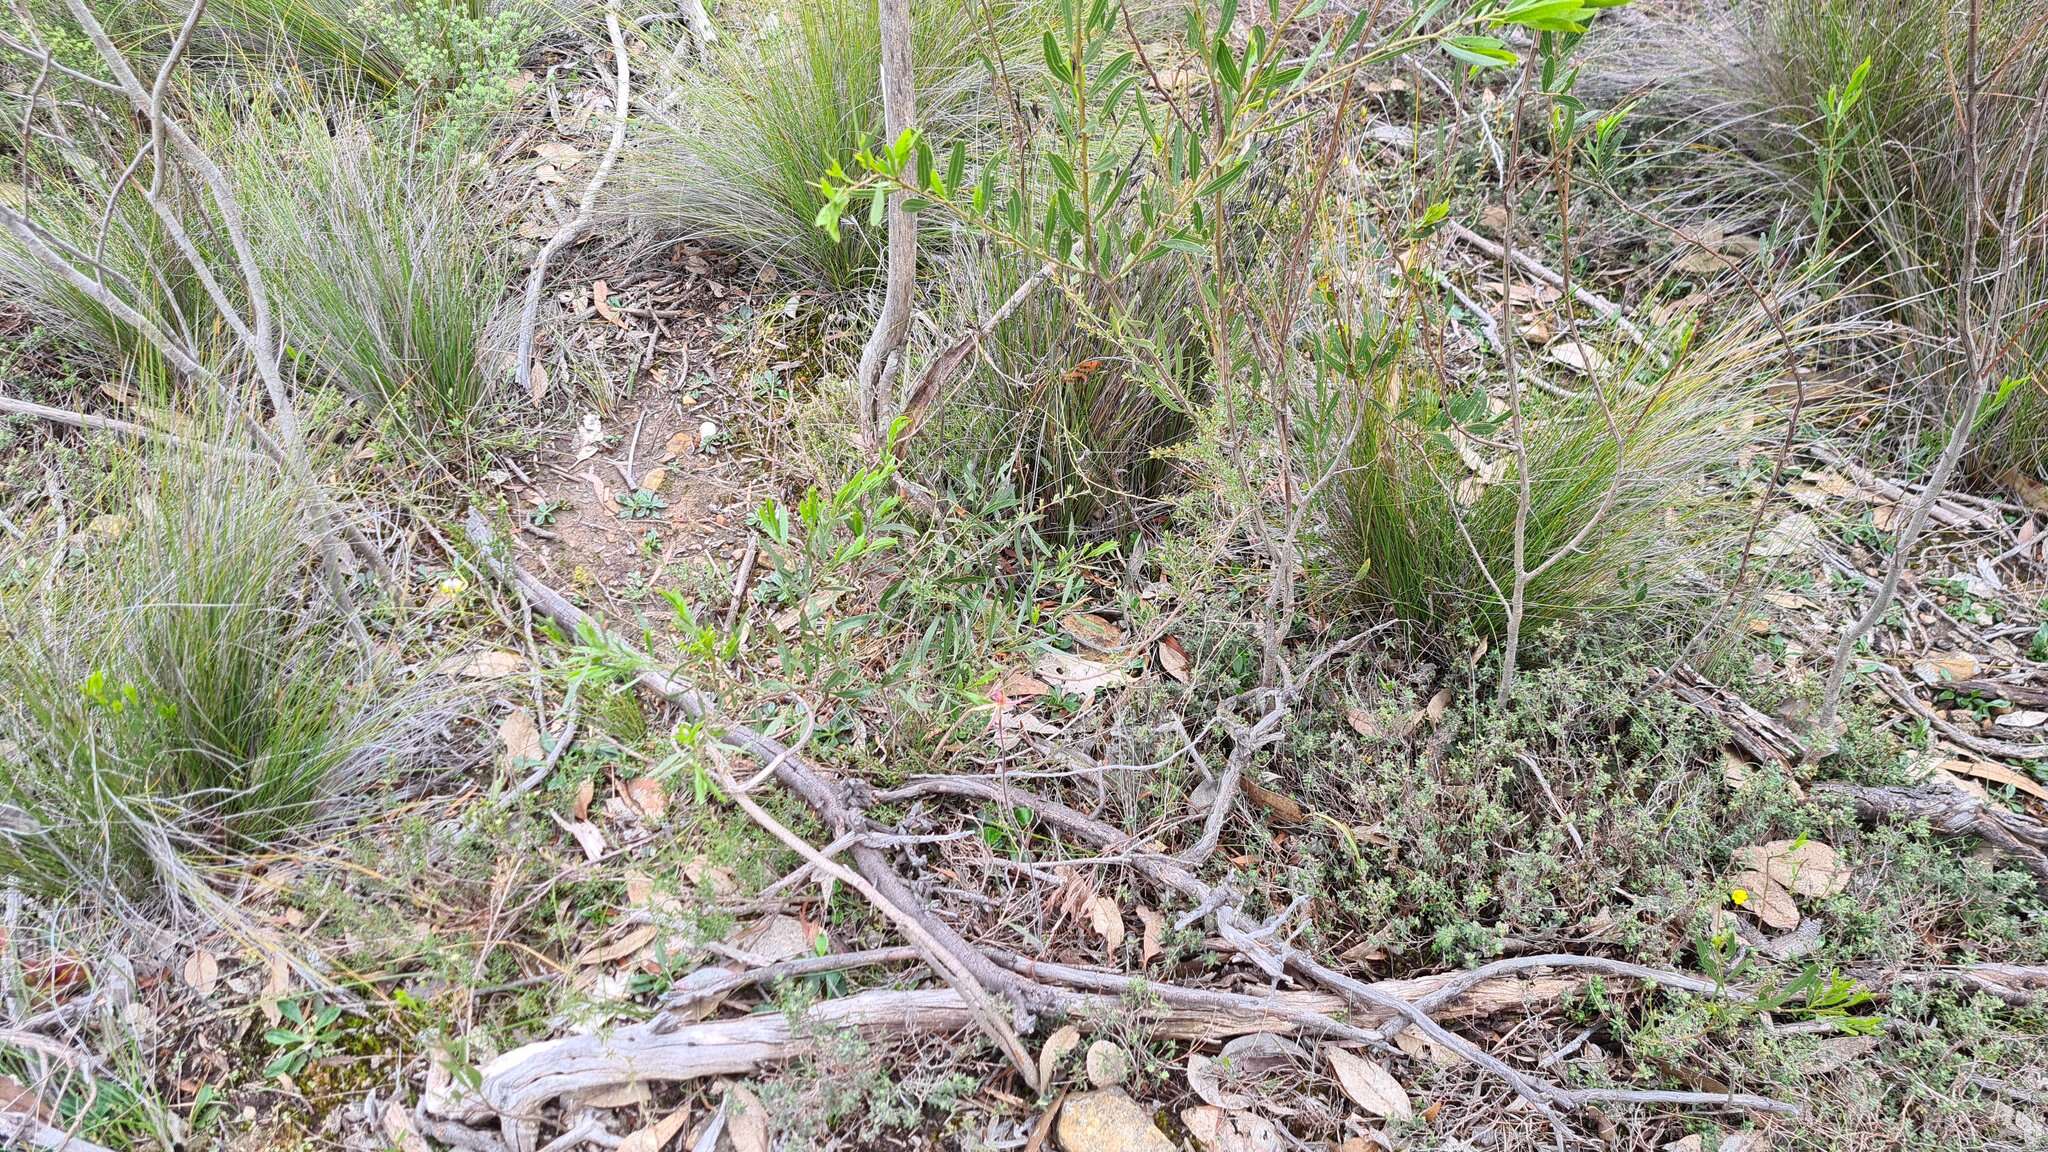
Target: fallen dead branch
{"x":518,"y":1084}
{"x":1951,"y":811}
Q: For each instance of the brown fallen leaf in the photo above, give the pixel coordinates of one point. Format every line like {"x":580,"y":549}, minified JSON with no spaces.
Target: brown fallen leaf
{"x":1018,"y":684}
{"x":1760,"y":896}
{"x":201,"y":972}
{"x":1093,"y":631}
{"x":1081,"y":676}
{"x":655,"y":1137}
{"x":1108,"y":921}
{"x":1173,"y":659}
{"x":586,"y":835}
{"x":399,"y":1131}
{"x":1369,"y":1085}
{"x":579,"y":806}
{"x":1283,"y":807}
{"x":633,"y":941}
{"x":600,"y":299}
{"x":521,"y":738}
{"x":1440,"y":703}
{"x":1057,"y":1046}
{"x":1997,"y":774}
{"x":1578,"y":356}
{"x":490,"y":664}
{"x":746,"y":1120}
{"x":1804,"y":868}
{"x":20,"y":1101}
{"x":646,"y":794}
{"x":1154,"y":936}
{"x":558,"y":153}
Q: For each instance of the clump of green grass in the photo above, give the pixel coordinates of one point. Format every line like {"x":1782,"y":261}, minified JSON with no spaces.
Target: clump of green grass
{"x":1884,"y":173}
{"x":67,"y":196}
{"x":386,"y":276}
{"x":186,"y":696}
{"x":1419,"y":520}
{"x":737,"y":161}
{"x":1076,"y":394}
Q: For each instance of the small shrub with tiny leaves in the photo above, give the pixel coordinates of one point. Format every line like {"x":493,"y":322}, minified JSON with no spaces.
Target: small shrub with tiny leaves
{"x":458,"y":48}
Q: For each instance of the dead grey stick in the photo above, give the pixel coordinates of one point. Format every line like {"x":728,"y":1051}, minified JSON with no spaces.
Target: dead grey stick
{"x":1978,"y":379}
{"x":622,"y":99}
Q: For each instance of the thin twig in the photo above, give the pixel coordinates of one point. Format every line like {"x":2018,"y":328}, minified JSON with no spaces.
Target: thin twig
{"x":622,"y":97}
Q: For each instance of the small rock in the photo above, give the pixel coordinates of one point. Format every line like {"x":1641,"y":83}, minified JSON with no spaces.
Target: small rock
{"x":1107,"y":1064}
{"x":1108,"y":1121}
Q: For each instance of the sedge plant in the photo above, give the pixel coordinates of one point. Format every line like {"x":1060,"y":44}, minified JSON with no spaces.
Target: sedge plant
{"x":186,"y":695}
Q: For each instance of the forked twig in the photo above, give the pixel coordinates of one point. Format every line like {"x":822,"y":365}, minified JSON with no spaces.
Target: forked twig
{"x":622,"y":97}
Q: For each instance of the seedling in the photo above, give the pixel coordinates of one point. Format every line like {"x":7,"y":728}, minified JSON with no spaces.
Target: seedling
{"x":640,"y":504}
{"x":302,"y":1041}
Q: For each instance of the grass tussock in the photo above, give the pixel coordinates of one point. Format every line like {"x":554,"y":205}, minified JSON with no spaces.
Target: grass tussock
{"x":386,"y":275}
{"x":737,"y":160}
{"x":1886,"y":178}
{"x":67,"y":194}
{"x":1629,"y":482}
{"x":183,"y":696}
{"x":1077,"y":393}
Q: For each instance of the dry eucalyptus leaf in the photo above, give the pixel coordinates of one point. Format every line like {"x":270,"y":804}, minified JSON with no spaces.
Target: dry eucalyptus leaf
{"x":1834,"y":1053}
{"x":1764,"y":898}
{"x":1093,"y":631}
{"x":1578,"y":356}
{"x":600,"y":300}
{"x":1108,"y":921}
{"x":202,"y":972}
{"x":521,"y":738}
{"x":1369,"y":1085}
{"x":774,"y":939}
{"x":1997,"y":774}
{"x":1018,"y":684}
{"x":655,"y":1137}
{"x":1808,"y":868}
{"x":1416,"y":1046}
{"x":490,"y":664}
{"x":1173,"y":659}
{"x":1057,"y":1046}
{"x":1070,"y":673}
{"x":586,"y":835}
{"x":558,"y":153}
{"x":1207,"y":1080}
{"x":1284,"y":808}
{"x":1795,"y":534}
{"x":648,"y":796}
{"x":1154,"y":934}
{"x":399,"y":1131}
{"x":633,"y":941}
{"x":746,"y":1120}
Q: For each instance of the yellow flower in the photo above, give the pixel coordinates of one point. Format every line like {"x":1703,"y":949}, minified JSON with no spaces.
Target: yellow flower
{"x":1739,"y":895}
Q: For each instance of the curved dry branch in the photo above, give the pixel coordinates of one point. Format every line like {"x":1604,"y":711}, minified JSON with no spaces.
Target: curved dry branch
{"x":622,"y":99}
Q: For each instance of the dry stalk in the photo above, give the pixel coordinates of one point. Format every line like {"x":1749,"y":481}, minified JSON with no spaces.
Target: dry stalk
{"x":622,"y":98}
